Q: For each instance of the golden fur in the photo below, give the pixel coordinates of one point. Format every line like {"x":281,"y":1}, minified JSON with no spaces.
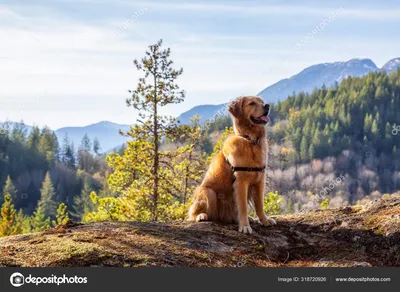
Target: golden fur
{"x":218,"y":198}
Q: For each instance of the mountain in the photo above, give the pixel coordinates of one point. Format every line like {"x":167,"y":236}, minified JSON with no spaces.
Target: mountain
{"x":206,"y":112}
{"x":316,"y":76}
{"x":312,"y":77}
{"x":391,"y":65}
{"x":11,"y":125}
{"x":106,"y":132}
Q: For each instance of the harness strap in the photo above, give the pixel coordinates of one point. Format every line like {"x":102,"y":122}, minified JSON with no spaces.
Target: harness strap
{"x":240,"y":168}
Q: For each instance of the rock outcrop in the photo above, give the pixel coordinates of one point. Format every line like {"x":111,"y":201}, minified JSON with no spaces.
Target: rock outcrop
{"x":367,"y":236}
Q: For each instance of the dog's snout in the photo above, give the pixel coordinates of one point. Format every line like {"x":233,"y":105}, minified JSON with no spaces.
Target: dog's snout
{"x":266,"y":107}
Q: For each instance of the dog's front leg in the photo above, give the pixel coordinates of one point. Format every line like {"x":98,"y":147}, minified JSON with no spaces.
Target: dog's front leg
{"x":240,"y":189}
{"x":258,"y":200}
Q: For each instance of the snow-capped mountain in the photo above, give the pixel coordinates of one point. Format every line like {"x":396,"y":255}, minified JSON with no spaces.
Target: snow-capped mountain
{"x":392,"y":65}
{"x":316,"y":76}
{"x":312,"y":77}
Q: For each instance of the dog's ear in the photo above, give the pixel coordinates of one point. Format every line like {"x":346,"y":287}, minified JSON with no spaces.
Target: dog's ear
{"x":235,"y":108}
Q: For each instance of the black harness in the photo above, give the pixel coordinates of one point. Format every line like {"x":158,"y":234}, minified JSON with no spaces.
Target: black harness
{"x":240,"y":168}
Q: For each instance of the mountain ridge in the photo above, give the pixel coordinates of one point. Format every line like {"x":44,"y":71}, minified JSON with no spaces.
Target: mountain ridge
{"x":314,"y":76}
{"x":105,"y":131}
{"x":306,"y":80}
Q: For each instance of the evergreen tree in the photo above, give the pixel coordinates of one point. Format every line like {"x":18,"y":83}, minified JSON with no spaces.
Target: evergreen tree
{"x":7,"y":220}
{"x":46,"y":204}
{"x":96,"y":146}
{"x":22,"y":223}
{"x":34,"y":139}
{"x":62,"y":215}
{"x":312,"y":152}
{"x":10,"y":189}
{"x":86,"y":144}
{"x":18,"y":133}
{"x":39,"y":221}
{"x":48,"y":146}
{"x":72,"y":161}
{"x":367,"y":123}
{"x":304,"y":151}
{"x":374,"y":127}
{"x":156,"y":89}
{"x":67,"y":153}
{"x":82,"y":203}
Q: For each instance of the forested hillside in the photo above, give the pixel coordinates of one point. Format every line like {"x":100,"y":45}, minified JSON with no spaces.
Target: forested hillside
{"x":39,"y":173}
{"x":346,"y":133}
{"x":349,"y":130}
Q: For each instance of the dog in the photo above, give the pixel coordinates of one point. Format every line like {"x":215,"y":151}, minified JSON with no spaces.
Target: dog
{"x":236,"y":175}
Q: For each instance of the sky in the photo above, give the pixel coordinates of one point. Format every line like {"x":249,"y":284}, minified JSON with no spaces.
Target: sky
{"x":69,"y":62}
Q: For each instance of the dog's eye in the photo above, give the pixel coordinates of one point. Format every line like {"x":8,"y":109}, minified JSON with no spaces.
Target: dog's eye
{"x":252,"y":103}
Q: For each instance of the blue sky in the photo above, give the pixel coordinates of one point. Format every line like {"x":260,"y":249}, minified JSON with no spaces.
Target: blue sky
{"x":69,"y":62}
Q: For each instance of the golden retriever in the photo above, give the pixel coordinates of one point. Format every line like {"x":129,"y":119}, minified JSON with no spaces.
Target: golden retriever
{"x":236,"y":175}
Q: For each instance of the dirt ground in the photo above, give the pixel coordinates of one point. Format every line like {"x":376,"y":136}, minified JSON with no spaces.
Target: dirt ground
{"x":367,"y":236}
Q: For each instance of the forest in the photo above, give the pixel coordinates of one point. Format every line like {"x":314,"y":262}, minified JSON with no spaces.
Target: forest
{"x":332,"y":147}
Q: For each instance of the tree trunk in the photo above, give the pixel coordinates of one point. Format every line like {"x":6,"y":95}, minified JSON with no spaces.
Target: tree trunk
{"x":156,"y":158}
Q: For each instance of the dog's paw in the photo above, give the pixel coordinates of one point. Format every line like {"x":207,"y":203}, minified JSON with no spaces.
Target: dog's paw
{"x":252,"y":220}
{"x":268,"y":221}
{"x":245,"y":229}
{"x":202,"y":217}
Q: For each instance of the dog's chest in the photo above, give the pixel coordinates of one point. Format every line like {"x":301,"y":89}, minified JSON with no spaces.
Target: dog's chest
{"x":259,"y":153}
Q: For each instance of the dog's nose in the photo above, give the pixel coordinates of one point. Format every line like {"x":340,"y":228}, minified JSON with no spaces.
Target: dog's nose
{"x":266,"y":106}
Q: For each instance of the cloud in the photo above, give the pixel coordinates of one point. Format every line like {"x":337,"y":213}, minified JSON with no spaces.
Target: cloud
{"x":57,"y":54}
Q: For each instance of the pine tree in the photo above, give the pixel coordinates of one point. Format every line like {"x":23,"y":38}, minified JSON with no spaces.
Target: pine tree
{"x":374,"y":127}
{"x":33,"y":139}
{"x":39,"y":221}
{"x":187,"y":162}
{"x":156,"y":89}
{"x":82,"y":203}
{"x":311,"y":152}
{"x":7,"y":220}
{"x":22,"y":223}
{"x":304,"y":150}
{"x":62,"y":215}
{"x":96,"y":146}
{"x":46,"y":204}
{"x":18,"y":133}
{"x":10,"y":189}
{"x":367,"y":123}
{"x":86,"y":144}
{"x":67,"y":153}
{"x":48,"y":146}
{"x":388,"y":131}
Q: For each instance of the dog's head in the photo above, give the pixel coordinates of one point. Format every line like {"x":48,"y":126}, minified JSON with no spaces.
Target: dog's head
{"x":250,"y":108}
